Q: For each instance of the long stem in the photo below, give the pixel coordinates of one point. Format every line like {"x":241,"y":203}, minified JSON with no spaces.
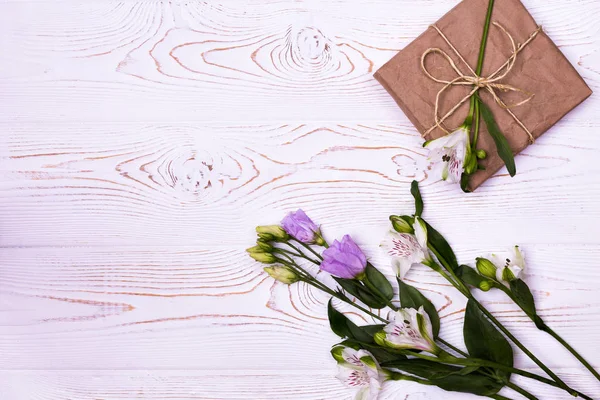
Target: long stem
{"x":556,"y":336}
{"x":567,"y":346}
{"x":486,"y":31}
{"x":486,"y":363}
{"x":522,"y":347}
{"x":306,"y":246}
{"x":456,"y":349}
{"x":301,"y":254}
{"x":499,"y":397}
{"x":474,"y":109}
{"x":476,"y":127}
{"x":520,"y":390}
{"x":457,"y":282}
{"x":395,"y":376}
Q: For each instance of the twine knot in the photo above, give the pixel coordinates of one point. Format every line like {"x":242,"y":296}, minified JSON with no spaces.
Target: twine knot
{"x":490,"y":83}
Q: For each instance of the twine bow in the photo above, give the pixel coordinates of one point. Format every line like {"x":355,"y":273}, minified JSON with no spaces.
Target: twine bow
{"x":490,"y":83}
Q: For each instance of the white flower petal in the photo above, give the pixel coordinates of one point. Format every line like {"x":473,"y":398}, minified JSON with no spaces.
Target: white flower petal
{"x":374,"y":388}
{"x":404,"y":250}
{"x":352,"y":356}
{"x":439,"y":143}
{"x":516,"y":271}
{"x":403,"y":265}
{"x":405,"y":331}
{"x":362,"y":394}
{"x":518,"y":257}
{"x":420,"y":232}
{"x":499,"y":273}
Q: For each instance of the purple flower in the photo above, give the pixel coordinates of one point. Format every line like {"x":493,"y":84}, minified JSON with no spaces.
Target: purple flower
{"x":300,"y":227}
{"x":344,"y":259}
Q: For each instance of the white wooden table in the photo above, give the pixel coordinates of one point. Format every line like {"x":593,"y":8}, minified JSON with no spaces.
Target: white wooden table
{"x":143,"y":140}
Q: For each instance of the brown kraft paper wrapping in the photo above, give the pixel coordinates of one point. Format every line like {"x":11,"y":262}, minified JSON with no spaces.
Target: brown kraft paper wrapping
{"x":540,"y":69}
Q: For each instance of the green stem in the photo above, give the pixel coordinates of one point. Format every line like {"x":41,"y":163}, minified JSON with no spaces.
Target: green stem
{"x":520,"y":390}
{"x":476,"y":362}
{"x":499,"y":397}
{"x":301,"y":254}
{"x":476,"y":127}
{"x":450,"y":346}
{"x":456,"y":282}
{"x":474,"y":105}
{"x":395,"y":376}
{"x":522,"y":347}
{"x":285,"y":252}
{"x":486,"y":31}
{"x":307,"y":247}
{"x":556,"y":336}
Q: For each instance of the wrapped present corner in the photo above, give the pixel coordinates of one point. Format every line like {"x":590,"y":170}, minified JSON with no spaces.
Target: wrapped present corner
{"x":543,"y":85}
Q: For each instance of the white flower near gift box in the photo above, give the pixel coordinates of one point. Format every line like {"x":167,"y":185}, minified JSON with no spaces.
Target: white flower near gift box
{"x":448,"y":153}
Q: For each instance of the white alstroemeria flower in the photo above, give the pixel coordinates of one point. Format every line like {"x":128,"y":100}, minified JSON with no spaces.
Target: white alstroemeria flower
{"x":510,"y":267}
{"x":407,"y":249}
{"x":448,"y":154}
{"x":359,"y":369}
{"x":409,"y":329}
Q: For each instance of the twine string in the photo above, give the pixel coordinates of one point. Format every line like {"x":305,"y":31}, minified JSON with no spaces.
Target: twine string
{"x":491,"y":83}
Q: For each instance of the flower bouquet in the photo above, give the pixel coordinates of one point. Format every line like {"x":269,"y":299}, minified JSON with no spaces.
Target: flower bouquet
{"x":406,"y":345}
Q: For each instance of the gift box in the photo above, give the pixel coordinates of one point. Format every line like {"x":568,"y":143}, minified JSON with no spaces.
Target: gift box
{"x":543,"y":80}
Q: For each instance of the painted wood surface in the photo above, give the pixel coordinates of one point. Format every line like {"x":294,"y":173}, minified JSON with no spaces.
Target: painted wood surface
{"x":143,"y":140}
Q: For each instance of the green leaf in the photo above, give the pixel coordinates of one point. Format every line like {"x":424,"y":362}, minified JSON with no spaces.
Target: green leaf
{"x":343,"y":327}
{"x":472,"y":383}
{"x":469,"y":276}
{"x":464,"y":182}
{"x":372,"y":329}
{"x":379,"y":283}
{"x":441,"y":246}
{"x":468,"y":370}
{"x":337,"y":321}
{"x":357,"y":290}
{"x":484,"y":341}
{"x":504,"y":150}
{"x":523,"y":297}
{"x":411,"y":297}
{"x":448,"y":377}
{"x":381,"y":354}
{"x":414,"y":190}
{"x":423,"y":368}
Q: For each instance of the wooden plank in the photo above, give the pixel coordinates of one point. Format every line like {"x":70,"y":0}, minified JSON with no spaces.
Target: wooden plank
{"x":232,"y":385}
{"x":123,"y":183}
{"x":230,"y":61}
{"x":165,"y":307}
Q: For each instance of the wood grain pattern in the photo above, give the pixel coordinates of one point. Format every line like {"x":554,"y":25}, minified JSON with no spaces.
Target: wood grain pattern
{"x":241,"y":385}
{"x":229,"y":61}
{"x":133,"y":182}
{"x":142,"y":140}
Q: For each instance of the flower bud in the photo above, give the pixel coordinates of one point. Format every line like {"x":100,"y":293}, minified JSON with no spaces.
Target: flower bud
{"x":272,"y":232}
{"x":336,"y":353}
{"x":260,"y":255}
{"x":470,"y":164}
{"x":282,"y":274}
{"x":485,"y":285}
{"x":263,"y":245}
{"x":486,"y":268}
{"x":481,"y":154}
{"x":401,"y":224}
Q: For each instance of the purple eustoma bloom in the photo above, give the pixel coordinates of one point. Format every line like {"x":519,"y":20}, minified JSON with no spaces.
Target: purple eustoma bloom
{"x":300,"y":227}
{"x":344,"y":259}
